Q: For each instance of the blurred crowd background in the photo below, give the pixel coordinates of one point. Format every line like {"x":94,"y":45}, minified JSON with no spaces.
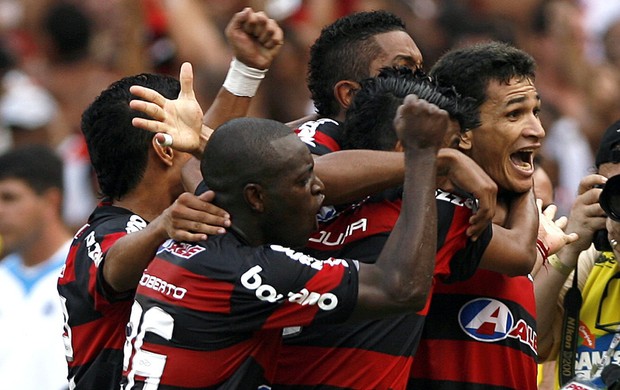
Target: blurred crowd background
{"x":56,"y":56}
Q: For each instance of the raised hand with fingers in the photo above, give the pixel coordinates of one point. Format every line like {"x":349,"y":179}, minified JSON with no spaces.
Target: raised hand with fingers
{"x":254,"y":37}
{"x":459,"y":173}
{"x":586,"y":216}
{"x":178,"y":122}
{"x":550,"y":231}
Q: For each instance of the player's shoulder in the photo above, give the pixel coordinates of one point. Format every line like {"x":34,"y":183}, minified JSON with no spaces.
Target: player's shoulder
{"x":314,"y":125}
{"x":106,"y":220}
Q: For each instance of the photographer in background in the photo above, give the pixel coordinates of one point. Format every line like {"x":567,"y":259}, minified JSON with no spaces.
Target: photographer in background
{"x":590,"y":316}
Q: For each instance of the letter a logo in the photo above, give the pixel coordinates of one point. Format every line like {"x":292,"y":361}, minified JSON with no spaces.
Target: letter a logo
{"x":486,"y":319}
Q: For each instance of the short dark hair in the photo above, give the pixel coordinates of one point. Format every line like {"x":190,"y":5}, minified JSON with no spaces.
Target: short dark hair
{"x":240,"y":152}
{"x":118,"y":150}
{"x":369,"y":119}
{"x":37,"y":165}
{"x":344,"y":51}
{"x":470,"y":69}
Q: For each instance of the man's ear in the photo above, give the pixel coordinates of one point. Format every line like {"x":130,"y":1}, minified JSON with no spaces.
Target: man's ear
{"x":165,"y":153}
{"x":344,"y":90}
{"x":254,"y":196}
{"x":465,"y":140}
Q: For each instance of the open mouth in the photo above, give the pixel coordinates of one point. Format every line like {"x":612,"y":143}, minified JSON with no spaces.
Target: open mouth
{"x":523,"y":160}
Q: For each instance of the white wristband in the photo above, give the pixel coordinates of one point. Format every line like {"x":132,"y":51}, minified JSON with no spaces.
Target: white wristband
{"x":243,"y":80}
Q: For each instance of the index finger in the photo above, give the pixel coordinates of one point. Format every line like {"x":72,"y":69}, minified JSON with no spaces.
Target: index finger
{"x":589,"y":182}
{"x":148,"y":94}
{"x":483,"y":216}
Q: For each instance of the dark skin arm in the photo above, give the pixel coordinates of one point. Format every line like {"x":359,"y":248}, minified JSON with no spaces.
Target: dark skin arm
{"x":349,"y":175}
{"x":189,"y":218}
{"x":512,"y":251}
{"x":401,"y":278}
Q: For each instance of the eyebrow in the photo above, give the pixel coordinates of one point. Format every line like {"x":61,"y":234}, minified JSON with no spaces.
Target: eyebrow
{"x":520,"y":99}
{"x":408,"y":58}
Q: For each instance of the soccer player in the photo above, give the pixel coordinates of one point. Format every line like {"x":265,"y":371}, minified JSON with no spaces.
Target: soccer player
{"x":140,"y":179}
{"x":220,"y":305}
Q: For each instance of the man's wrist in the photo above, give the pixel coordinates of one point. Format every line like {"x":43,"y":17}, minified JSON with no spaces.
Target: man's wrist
{"x":243,"y":80}
{"x":555,"y":262}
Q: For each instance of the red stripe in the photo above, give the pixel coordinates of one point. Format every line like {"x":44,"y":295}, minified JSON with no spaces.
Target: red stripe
{"x":203,"y":293}
{"x":110,"y":239}
{"x":381,"y":218}
{"x":69,"y":271}
{"x":455,"y":240}
{"x":187,"y":368}
{"x":475,"y":362}
{"x":486,"y":283}
{"x":327,"y":141}
{"x":91,"y":338}
{"x":342,"y":367}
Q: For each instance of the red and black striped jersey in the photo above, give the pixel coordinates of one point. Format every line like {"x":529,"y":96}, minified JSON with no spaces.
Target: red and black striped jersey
{"x":322,"y":136}
{"x":210,"y":315}
{"x":95,"y":317}
{"x":374,"y":354}
{"x":485,"y":328}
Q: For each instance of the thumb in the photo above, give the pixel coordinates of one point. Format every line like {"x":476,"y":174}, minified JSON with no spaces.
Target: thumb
{"x":186,"y":78}
{"x":207,"y":196}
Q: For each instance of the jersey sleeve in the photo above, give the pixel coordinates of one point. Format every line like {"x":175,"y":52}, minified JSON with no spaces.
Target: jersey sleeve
{"x":465,"y":261}
{"x":458,"y":256}
{"x":321,"y":136}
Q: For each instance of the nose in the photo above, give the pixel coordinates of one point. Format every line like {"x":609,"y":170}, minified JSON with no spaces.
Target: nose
{"x":535,"y":129}
{"x":318,"y":188}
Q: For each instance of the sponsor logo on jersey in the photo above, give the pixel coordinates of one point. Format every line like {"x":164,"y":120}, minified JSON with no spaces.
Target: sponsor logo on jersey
{"x":489,"y":320}
{"x":135,"y":223}
{"x":94,"y":249}
{"x":160,"y":285}
{"x":181,"y":249}
{"x":307,"y":131}
{"x":309,"y":260}
{"x":252,"y":280}
{"x":470,"y":203}
{"x":326,"y":238}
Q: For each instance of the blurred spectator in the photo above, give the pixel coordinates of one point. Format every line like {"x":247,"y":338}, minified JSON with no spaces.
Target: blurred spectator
{"x":611,"y":42}
{"x":37,"y":242}
{"x":26,"y":109}
{"x":74,"y":77}
{"x":556,"y":41}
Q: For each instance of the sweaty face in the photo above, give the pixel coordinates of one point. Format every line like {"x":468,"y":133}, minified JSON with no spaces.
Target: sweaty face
{"x":510,"y":134}
{"x":398,"y":50}
{"x":21,"y":214}
{"x":295,"y":198}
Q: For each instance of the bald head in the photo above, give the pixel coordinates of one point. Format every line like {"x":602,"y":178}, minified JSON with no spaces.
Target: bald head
{"x":247,"y":150}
